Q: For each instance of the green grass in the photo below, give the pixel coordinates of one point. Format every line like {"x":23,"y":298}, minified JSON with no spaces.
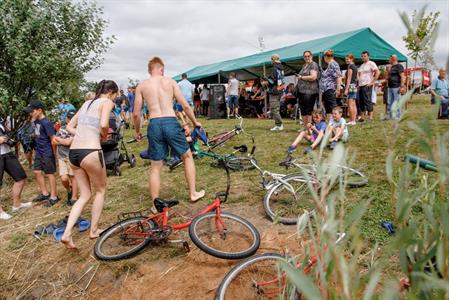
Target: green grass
{"x":129,"y":192}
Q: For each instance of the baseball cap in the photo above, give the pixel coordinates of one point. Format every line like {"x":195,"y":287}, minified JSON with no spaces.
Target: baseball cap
{"x":276,"y":58}
{"x":34,"y":104}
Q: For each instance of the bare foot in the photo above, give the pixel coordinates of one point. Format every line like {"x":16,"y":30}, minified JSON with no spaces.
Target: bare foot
{"x":197,"y":196}
{"x":68,"y":242}
{"x":96,"y":234}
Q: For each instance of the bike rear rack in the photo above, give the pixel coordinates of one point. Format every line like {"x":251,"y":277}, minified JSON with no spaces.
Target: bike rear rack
{"x":133,"y":214}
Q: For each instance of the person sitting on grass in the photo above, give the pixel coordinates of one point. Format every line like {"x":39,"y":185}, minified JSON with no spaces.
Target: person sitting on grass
{"x":337,"y":127}
{"x":64,"y":139}
{"x":313,"y":133}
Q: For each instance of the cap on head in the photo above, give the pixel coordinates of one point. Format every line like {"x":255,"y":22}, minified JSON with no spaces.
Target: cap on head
{"x":276,"y":58}
{"x":34,"y":104}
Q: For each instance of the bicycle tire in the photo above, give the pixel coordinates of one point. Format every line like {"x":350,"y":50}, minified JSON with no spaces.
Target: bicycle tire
{"x":116,"y":228}
{"x":286,"y":207}
{"x":351,"y":176}
{"x":240,"y":163}
{"x":196,"y":236}
{"x":240,"y":283}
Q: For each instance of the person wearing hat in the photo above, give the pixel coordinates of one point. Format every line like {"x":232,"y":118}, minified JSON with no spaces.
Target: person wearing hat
{"x":11,"y":165}
{"x":63,"y":141}
{"x":44,"y":157}
{"x":275,"y":90}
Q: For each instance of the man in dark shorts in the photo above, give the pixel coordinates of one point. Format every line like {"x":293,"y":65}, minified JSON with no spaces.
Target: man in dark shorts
{"x":164,"y":131}
{"x":11,"y":165}
{"x":44,"y":158}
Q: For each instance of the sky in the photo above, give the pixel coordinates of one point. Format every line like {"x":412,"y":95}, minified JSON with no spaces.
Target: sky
{"x":191,"y":33}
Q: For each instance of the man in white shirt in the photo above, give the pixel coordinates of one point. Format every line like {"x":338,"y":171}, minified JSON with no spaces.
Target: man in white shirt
{"x":233,"y":95}
{"x":204,"y":96}
{"x":187,"y":89}
{"x":367,"y":76}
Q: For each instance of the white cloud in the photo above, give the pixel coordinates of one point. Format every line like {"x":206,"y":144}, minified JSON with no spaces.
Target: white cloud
{"x":190,"y":33}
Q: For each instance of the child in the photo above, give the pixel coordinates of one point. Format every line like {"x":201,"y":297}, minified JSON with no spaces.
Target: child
{"x":313,"y":133}
{"x":337,"y":127}
{"x":63,"y":140}
{"x":44,"y":158}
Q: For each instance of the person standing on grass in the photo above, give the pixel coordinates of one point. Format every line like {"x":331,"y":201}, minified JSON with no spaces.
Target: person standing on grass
{"x":232,"y":91}
{"x":330,"y":83}
{"x":205,"y":97}
{"x":351,"y":88}
{"x":89,"y":126}
{"x":367,"y":76}
{"x":396,"y":87}
{"x":164,"y":130}
{"x":187,"y":89}
{"x":11,"y":165}
{"x":44,"y":158}
{"x":63,"y":140}
{"x":275,"y":90}
{"x":307,"y":88}
{"x":131,"y":96}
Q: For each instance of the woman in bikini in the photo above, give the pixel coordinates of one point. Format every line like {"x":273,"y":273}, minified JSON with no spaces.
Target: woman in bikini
{"x":89,"y":126}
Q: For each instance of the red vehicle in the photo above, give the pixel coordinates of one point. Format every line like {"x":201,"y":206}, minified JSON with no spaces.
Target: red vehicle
{"x":419,"y":77}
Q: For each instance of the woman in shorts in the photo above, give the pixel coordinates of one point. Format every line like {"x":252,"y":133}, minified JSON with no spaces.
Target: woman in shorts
{"x":351,"y":88}
{"x":89,"y":126}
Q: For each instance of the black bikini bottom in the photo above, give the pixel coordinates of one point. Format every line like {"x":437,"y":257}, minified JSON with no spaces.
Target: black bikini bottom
{"x":76,"y":156}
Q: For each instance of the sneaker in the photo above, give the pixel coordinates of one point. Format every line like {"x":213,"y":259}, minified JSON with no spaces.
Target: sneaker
{"x":70,"y":202}
{"x":5,"y":216}
{"x":291,"y":149}
{"x":277,"y":128}
{"x":228,"y":117}
{"x":361,"y":120}
{"x":41,"y":198}
{"x":352,"y":123}
{"x":51,"y":202}
{"x":332,"y":145}
{"x":22,"y":205}
{"x":237,"y":116}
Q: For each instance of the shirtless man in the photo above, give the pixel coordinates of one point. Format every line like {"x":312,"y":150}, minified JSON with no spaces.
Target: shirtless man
{"x":164,"y":129}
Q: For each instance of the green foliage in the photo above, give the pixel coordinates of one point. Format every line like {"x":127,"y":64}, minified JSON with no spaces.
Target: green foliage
{"x":46,"y":47}
{"x":422,"y":31}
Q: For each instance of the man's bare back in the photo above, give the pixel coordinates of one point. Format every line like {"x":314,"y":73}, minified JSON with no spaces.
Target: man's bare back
{"x":158,"y":92}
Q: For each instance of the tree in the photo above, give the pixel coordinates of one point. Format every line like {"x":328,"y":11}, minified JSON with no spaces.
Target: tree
{"x":46,"y":47}
{"x":422,"y":31}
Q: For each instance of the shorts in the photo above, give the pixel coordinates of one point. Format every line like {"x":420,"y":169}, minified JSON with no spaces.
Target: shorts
{"x":164,"y":133}
{"x":11,"y":165}
{"x":311,"y":139}
{"x":365,"y":96}
{"x":233,"y":102}
{"x":28,"y":147}
{"x":64,"y":167}
{"x":329,"y":101}
{"x":307,"y":103}
{"x":46,"y":164}
{"x":352,"y":95}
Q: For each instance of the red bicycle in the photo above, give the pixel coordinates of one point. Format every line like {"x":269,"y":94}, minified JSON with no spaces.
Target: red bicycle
{"x":220,"y":234}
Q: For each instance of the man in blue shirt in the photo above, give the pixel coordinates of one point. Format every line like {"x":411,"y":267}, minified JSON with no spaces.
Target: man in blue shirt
{"x":440,"y":89}
{"x":187,"y":89}
{"x":44,"y":158}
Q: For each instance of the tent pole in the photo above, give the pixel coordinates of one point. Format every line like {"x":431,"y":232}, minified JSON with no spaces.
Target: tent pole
{"x":265,"y":100}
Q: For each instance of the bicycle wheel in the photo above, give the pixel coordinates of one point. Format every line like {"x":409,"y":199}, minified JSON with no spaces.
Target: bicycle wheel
{"x":257,"y":277}
{"x":123,"y":239}
{"x":288,"y":199}
{"x":241,"y":163}
{"x":230,"y":237}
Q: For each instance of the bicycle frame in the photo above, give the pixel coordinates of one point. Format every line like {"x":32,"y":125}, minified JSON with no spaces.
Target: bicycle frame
{"x":162,"y":219}
{"x":226,"y":136}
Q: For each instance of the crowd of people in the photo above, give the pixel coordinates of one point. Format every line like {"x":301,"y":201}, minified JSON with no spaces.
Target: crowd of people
{"x":74,"y":146}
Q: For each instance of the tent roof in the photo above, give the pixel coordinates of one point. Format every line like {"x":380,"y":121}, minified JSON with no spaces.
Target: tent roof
{"x":250,"y":67}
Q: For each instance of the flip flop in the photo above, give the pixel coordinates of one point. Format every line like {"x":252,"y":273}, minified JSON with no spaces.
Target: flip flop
{"x":83,"y":225}
{"x":58,"y":233}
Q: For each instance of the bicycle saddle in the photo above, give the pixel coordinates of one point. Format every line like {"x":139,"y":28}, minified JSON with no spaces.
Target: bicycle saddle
{"x":160,"y":204}
{"x":242,"y":148}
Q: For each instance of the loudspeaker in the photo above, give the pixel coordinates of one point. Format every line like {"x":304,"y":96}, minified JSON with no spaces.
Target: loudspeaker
{"x":217,"y":106}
